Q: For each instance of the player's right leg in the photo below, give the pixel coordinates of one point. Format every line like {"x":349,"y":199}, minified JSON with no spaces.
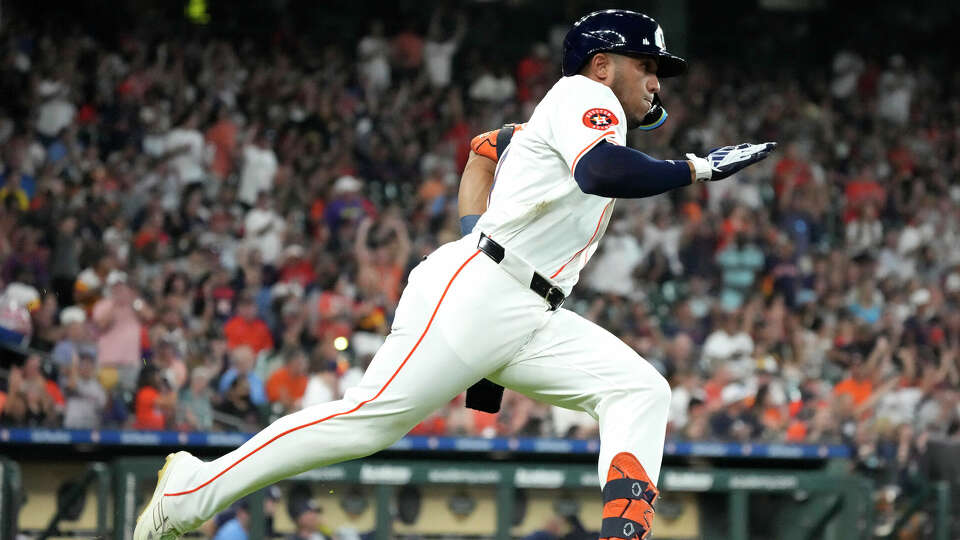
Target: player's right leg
{"x":574,"y":363}
{"x":414,"y":372}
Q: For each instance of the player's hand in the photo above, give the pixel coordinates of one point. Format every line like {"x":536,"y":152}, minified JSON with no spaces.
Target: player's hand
{"x":725,"y":161}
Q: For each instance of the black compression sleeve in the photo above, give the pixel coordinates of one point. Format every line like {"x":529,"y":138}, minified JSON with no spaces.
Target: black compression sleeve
{"x":616,"y":171}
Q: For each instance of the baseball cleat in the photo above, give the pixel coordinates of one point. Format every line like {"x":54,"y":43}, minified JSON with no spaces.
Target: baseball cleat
{"x":154,"y":523}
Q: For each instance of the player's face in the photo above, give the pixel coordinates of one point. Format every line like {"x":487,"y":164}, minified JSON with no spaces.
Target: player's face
{"x":634,"y":83}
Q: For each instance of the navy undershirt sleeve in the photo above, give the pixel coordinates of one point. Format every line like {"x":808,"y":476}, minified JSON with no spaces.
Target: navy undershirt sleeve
{"x":616,"y":171}
{"x":467,"y":223}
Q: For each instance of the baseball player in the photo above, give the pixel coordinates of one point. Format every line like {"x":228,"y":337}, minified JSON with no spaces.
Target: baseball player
{"x":489,"y":304}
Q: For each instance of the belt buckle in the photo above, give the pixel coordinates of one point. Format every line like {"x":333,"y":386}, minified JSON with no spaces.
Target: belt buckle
{"x":555,"y":297}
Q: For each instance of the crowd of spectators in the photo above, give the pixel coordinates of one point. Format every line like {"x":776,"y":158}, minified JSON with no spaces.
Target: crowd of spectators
{"x":199,"y":234}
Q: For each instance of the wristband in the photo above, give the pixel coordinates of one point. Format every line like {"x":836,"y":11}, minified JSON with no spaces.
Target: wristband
{"x":701,"y":167}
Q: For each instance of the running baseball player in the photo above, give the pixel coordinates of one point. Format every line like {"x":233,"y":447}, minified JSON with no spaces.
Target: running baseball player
{"x":489,"y":304}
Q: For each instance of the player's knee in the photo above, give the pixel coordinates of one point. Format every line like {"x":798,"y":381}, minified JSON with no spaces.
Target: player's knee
{"x":660,"y":390}
{"x":648,"y":387}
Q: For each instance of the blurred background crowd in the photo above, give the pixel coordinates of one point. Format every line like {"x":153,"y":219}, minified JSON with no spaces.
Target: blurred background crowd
{"x":202,"y":232}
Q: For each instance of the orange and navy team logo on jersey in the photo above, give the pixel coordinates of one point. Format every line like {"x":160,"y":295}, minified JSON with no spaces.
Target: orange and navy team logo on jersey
{"x":599,"y":119}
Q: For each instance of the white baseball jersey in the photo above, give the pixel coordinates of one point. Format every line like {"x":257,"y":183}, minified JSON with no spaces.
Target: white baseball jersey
{"x":536,"y":208}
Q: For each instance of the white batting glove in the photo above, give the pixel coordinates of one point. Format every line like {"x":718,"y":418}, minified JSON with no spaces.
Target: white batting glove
{"x":724,"y":161}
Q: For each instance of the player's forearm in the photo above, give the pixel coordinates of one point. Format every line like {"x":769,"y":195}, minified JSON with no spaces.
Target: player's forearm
{"x":475,"y":185}
{"x":616,"y":171}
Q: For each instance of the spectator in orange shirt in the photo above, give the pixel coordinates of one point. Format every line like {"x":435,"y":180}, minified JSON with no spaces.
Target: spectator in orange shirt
{"x":223,"y":137}
{"x":245,"y":328}
{"x":155,"y":402}
{"x":287,"y":384}
{"x":859,"y":385}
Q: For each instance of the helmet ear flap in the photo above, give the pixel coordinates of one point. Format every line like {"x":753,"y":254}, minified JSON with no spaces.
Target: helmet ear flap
{"x":656,"y":117}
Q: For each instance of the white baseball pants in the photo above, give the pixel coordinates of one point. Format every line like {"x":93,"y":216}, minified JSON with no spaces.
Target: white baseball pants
{"x":461,"y":318}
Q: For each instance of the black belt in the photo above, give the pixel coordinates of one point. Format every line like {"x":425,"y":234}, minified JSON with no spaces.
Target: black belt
{"x":538,"y":284}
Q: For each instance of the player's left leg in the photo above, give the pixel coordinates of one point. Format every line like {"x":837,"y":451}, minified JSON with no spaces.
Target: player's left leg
{"x":573,"y":363}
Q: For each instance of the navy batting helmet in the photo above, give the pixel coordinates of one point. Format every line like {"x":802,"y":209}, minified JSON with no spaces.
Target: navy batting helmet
{"x":619,"y":31}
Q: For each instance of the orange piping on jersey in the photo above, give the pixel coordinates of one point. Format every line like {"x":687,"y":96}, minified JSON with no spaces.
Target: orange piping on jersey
{"x":361,"y":404}
{"x":589,"y":146}
{"x":599,"y":221}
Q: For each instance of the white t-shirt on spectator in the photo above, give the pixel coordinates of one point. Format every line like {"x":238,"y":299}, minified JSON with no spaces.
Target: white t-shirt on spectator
{"x":612,"y":270}
{"x":847,"y":67}
{"x":318,"y":391}
{"x":54,"y":115}
{"x":864,"y":235}
{"x":259,"y":170}
{"x":85,"y":404}
{"x":438,"y":60}
{"x":734,"y":349}
{"x":566,"y":419}
{"x":489,"y":87}
{"x":350,"y":379}
{"x":34,"y":158}
{"x":270,"y":242}
{"x":374,"y":61}
{"x":189,"y":164}
{"x":895,"y":94}
{"x":667,"y":240}
{"x":679,"y":405}
{"x":154,"y":144}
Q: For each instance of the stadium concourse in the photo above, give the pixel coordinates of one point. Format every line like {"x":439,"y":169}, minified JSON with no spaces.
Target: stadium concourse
{"x":199,"y":235}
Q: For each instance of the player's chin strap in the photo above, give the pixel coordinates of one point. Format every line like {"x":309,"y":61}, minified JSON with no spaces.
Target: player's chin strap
{"x":656,"y":117}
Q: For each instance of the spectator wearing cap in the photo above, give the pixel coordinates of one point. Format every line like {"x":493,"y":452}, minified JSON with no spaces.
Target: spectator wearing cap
{"x":306,"y":516}
{"x":271,"y":501}
{"x":194,"y":410}
{"x":76,"y":337}
{"x":288,"y":383}
{"x":296,"y":268}
{"x":85,"y":396}
{"x":735,"y":421}
{"x":238,"y":527}
{"x":118,"y":321}
{"x":247,"y":329}
{"x":347,"y":204}
{"x":242,"y":360}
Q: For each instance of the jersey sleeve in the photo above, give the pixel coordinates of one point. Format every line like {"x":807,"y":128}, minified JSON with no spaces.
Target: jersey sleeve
{"x":586,"y":114}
